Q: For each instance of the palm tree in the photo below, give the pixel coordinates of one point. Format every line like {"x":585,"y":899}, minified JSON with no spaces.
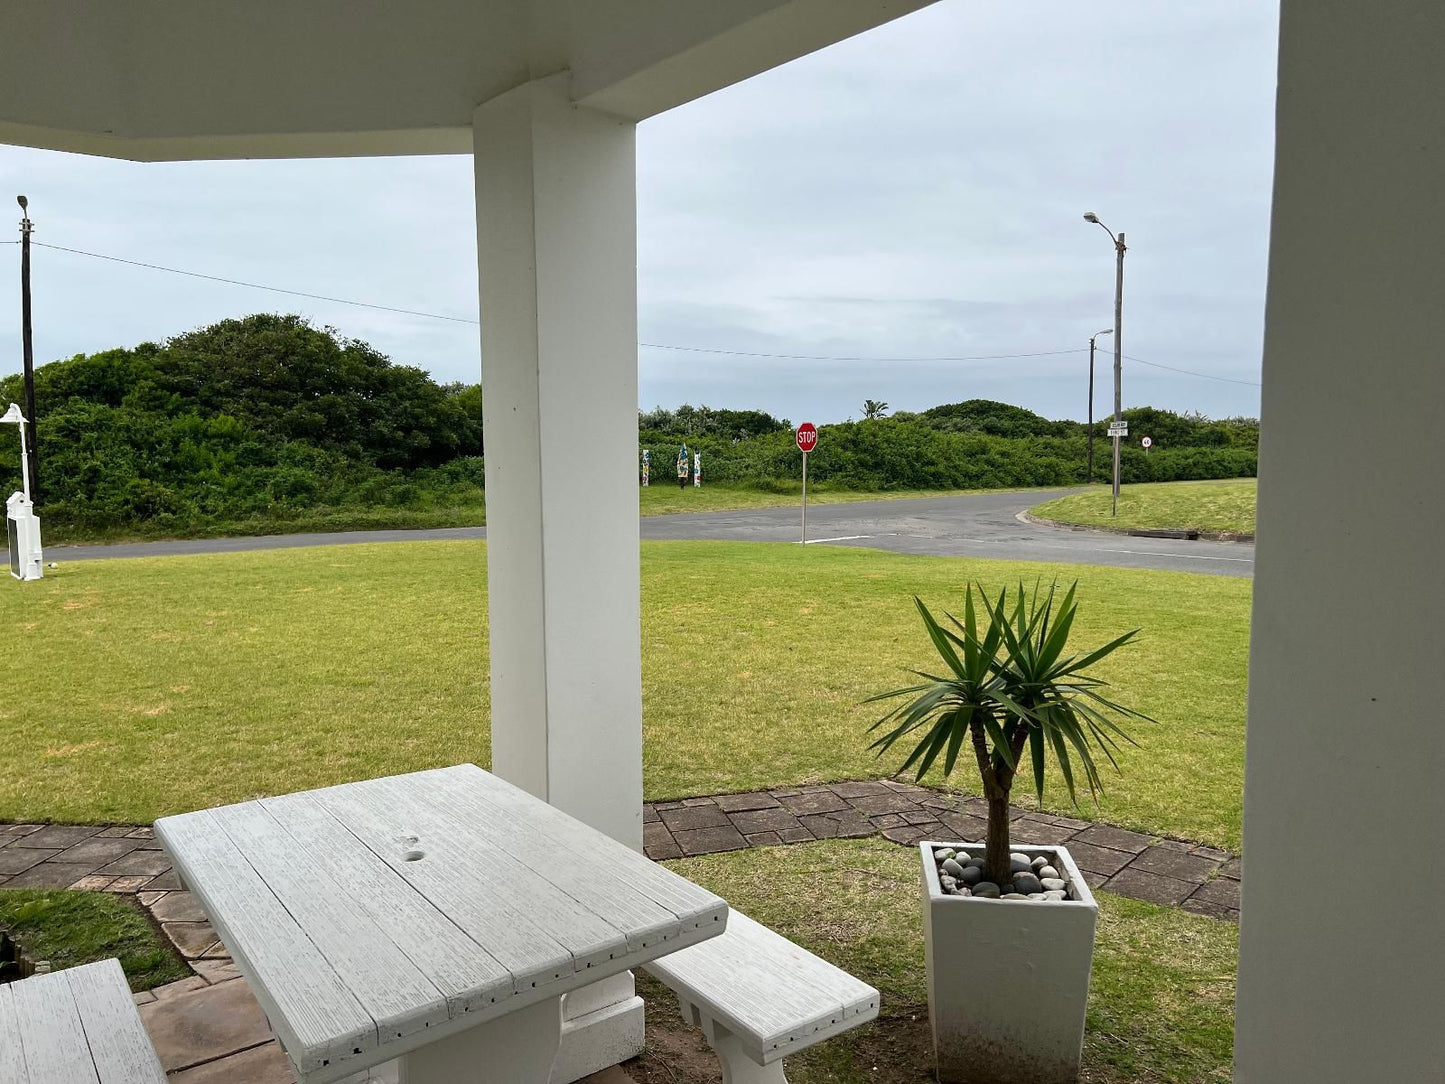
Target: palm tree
{"x":872,"y":408}
{"x":1009,"y":689}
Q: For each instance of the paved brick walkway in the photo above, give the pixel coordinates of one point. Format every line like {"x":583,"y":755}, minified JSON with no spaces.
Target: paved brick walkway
{"x":209,"y":1029}
{"x":1200,"y":879}
{"x":116,"y":859}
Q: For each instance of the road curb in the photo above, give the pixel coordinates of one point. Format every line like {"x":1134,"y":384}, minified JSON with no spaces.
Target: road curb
{"x":1138,"y":532}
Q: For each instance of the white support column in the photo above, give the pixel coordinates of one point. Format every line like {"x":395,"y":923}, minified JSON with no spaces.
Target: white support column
{"x":557,"y":252}
{"x":1342,"y":955}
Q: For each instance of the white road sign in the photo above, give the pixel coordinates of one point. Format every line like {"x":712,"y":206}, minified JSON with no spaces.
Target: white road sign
{"x":1118,"y":429}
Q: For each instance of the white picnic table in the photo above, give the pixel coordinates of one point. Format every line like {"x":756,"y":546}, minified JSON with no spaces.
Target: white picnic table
{"x":436,"y":917}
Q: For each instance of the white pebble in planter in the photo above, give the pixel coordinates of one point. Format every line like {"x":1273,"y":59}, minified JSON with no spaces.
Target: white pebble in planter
{"x":1008,"y":979}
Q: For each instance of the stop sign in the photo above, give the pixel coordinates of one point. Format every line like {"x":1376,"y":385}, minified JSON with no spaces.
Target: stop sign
{"x":807,"y":436}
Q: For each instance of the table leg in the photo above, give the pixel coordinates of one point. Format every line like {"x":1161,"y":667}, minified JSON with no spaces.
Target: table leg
{"x":514,"y":1049}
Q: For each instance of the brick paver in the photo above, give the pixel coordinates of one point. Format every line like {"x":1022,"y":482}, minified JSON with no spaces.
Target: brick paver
{"x":127,"y":859}
{"x":1204,"y":880}
{"x":118,"y":858}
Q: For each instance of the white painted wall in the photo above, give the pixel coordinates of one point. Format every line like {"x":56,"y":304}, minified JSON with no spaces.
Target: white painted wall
{"x":1342,"y":968}
{"x":556,"y":240}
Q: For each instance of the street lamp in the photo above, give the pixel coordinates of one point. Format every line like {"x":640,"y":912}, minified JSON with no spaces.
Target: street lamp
{"x":1096,"y":335}
{"x":14,"y":417}
{"x":22,"y":526}
{"x":1119,"y":249}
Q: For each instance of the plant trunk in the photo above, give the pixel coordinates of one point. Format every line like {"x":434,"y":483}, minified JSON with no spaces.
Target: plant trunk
{"x":996,"y":856}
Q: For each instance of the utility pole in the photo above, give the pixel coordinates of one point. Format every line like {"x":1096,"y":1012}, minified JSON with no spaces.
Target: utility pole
{"x":1118,"y":356}
{"x":27,"y":343}
{"x":1096,"y":335}
{"x":1119,"y":249}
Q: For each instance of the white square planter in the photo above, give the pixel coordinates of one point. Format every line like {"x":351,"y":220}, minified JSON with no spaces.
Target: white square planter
{"x":1008,"y":980}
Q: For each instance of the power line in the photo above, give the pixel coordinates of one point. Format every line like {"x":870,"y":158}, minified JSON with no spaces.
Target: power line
{"x":829,"y":357}
{"x":1191,"y":372}
{"x":650,"y":346}
{"x":259,"y":286}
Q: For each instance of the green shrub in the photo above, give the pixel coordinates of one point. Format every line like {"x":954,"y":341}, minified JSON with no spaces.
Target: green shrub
{"x":268,"y":419}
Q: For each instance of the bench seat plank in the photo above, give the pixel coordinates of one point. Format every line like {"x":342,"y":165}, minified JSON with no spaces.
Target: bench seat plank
{"x":119,"y":1044}
{"x":50,"y":1031}
{"x":774,"y":996}
{"x":12,"y":1053}
{"x":78,"y":1026}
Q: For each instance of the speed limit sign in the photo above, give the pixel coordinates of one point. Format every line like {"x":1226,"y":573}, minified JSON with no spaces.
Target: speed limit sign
{"x":1147,"y":442}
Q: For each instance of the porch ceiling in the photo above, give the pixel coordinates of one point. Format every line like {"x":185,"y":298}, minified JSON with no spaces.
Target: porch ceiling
{"x":159,"y":80}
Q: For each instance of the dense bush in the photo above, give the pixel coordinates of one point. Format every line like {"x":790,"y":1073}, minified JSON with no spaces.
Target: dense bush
{"x":260,"y":417}
{"x":974,"y":445}
{"x":256,"y":423}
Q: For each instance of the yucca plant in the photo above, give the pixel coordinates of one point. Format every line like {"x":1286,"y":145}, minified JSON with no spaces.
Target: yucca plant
{"x":1010,"y":687}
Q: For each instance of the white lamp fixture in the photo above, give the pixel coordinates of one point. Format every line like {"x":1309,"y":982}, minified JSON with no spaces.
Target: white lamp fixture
{"x":21,"y":522}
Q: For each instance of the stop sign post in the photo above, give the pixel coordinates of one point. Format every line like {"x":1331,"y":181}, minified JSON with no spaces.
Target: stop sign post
{"x":807,"y":438}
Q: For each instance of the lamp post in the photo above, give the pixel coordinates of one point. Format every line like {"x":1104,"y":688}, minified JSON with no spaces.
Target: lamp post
{"x":1096,"y":335}
{"x":26,"y":343}
{"x":15,"y":418}
{"x":22,"y":527}
{"x":1119,"y":249}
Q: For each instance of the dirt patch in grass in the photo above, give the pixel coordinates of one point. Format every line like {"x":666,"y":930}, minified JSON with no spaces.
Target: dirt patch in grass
{"x":897,"y":1048}
{"x":1160,"y":998}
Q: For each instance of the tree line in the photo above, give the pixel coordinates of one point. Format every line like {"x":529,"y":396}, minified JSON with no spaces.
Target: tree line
{"x":975,"y":444}
{"x":269,"y":423}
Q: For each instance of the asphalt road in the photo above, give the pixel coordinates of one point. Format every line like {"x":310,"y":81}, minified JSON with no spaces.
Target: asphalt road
{"x":986,"y":525}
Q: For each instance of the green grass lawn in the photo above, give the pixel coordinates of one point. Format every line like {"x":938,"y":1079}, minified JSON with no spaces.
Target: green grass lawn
{"x":162,"y":685}
{"x":1202,"y":506}
{"x":1160,"y":1003}
{"x":73,"y":928}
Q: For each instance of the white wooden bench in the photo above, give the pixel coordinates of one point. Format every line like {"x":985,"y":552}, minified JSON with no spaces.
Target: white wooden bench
{"x":78,"y":1026}
{"x":758,"y":998}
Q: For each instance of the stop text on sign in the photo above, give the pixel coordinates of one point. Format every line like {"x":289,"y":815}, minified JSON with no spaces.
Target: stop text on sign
{"x":807,"y":437}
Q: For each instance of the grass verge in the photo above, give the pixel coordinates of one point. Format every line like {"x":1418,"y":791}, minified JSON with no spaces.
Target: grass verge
{"x":73,"y":928}
{"x":162,"y":685}
{"x":1222,"y":508}
{"x":1161,"y":995}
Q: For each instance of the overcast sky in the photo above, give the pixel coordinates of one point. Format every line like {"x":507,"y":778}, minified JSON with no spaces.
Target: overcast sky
{"x":914,"y":193}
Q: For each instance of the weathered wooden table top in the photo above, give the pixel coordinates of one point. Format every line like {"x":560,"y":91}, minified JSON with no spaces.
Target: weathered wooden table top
{"x":373,"y":918}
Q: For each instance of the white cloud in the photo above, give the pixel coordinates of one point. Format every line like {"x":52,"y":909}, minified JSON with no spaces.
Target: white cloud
{"x":916,"y":192}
